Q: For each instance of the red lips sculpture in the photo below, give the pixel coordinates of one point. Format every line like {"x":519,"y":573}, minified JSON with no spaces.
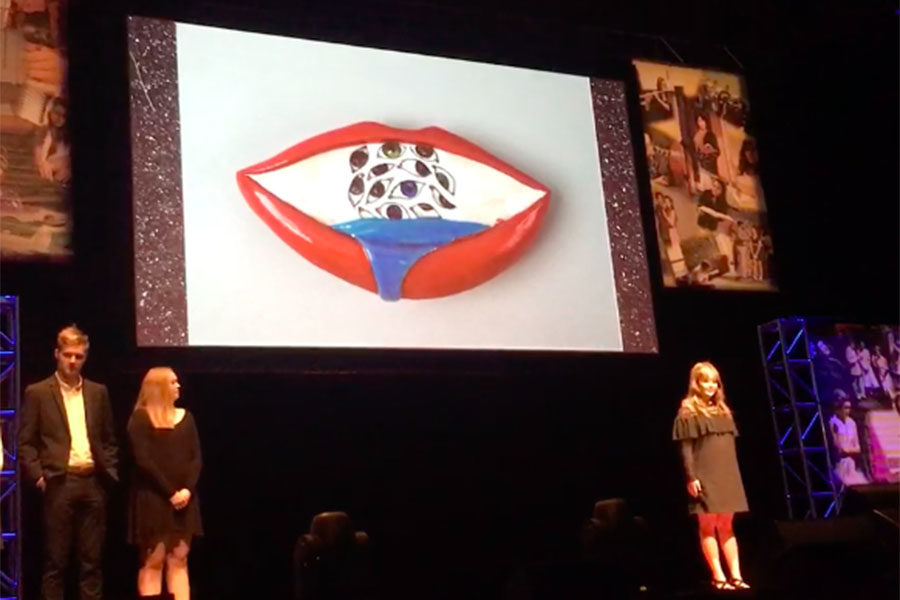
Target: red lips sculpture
{"x":450,"y":268}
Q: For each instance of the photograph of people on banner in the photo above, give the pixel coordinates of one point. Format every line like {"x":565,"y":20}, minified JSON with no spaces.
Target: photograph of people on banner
{"x":708,"y":202}
{"x":35,"y":165}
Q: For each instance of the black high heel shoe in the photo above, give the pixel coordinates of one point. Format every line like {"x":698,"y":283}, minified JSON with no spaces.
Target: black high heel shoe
{"x":738,"y":584}
{"x":722,"y":585}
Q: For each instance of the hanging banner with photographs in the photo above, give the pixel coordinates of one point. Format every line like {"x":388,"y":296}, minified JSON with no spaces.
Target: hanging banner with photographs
{"x":35,"y":168}
{"x":704,"y":178}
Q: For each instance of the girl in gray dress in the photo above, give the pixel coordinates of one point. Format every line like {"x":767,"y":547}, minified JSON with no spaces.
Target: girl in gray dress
{"x":705,"y":429}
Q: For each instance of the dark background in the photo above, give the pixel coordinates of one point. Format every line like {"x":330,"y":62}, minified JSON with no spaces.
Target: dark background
{"x":465,"y":466}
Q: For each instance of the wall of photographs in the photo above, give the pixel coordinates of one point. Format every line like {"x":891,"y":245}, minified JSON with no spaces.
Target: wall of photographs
{"x":709,"y":207}
{"x":858,"y":378}
{"x":35,"y":168}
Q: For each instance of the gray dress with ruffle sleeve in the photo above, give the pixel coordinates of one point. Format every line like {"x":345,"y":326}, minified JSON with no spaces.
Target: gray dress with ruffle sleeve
{"x":708,"y":453}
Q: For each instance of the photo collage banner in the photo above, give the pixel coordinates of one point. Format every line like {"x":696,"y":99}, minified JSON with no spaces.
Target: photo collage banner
{"x":35,"y":166}
{"x":709,"y":207}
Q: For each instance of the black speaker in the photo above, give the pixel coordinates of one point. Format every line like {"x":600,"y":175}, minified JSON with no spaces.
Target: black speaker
{"x":831,"y":558}
{"x":882,"y":501}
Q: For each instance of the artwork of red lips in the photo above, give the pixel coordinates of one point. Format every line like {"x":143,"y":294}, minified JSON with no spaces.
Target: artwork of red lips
{"x":502,"y":228}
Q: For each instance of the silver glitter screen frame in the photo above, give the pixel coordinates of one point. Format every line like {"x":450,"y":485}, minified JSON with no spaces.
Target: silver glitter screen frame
{"x":160,"y":290}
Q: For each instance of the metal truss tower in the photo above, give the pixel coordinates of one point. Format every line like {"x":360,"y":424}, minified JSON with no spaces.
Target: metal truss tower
{"x":806,"y":469}
{"x":10,"y":501}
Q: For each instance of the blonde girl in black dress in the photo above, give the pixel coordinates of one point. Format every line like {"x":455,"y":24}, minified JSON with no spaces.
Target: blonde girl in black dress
{"x":164,"y":514}
{"x":705,"y":429}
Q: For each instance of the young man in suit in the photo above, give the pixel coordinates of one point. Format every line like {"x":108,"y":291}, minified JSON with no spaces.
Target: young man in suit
{"x":68,"y":450}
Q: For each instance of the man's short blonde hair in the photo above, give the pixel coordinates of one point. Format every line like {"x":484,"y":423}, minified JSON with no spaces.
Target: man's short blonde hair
{"x":72,"y":336}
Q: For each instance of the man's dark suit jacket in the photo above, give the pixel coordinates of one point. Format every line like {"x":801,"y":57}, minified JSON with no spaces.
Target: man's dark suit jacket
{"x":44,"y":440}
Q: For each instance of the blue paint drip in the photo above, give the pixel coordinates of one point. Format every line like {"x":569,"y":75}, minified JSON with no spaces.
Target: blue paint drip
{"x":393,"y":246}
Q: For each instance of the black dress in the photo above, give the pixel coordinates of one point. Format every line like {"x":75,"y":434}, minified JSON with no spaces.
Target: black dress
{"x":708,"y":161}
{"x":708,"y":452}
{"x":706,"y":220}
{"x":166,"y":460}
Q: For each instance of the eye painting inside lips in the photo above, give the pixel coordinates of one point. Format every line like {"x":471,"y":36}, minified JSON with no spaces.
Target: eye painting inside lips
{"x":404,"y":213}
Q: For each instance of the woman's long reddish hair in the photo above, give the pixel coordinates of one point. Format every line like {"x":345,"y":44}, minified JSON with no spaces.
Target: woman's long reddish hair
{"x":156,"y":399}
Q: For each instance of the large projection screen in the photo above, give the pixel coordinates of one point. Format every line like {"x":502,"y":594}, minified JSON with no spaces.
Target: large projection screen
{"x":261,"y":163}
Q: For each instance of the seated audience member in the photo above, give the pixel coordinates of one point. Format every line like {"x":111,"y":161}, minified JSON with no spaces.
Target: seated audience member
{"x":846,"y":442}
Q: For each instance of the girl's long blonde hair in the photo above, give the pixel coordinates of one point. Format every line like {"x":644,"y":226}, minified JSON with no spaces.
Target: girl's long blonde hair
{"x":694,"y":403}
{"x":156,"y":398}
